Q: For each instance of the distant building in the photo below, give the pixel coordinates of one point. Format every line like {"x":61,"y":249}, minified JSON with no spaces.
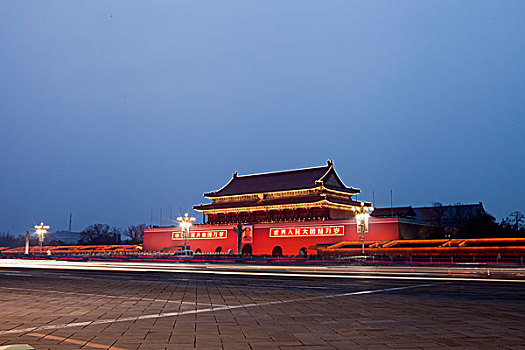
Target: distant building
{"x":408,"y":226}
{"x":400,"y":212}
{"x":449,"y":215}
{"x":424,"y":222}
{"x":67,"y":237}
{"x":449,"y":218}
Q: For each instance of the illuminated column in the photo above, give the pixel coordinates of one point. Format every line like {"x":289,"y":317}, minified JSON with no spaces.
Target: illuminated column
{"x":361,"y":217}
{"x":185,"y":223}
{"x":27,"y":243}
{"x":41,"y":231}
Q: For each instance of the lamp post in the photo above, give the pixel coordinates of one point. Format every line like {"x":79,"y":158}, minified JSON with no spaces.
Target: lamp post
{"x":41,"y":231}
{"x":362,"y":216}
{"x":239,"y":230}
{"x":185,"y":223}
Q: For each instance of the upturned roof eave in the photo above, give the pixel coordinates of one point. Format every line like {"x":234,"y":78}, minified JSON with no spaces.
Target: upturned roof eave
{"x":345,"y":187}
{"x":254,"y":206}
{"x":348,"y":190}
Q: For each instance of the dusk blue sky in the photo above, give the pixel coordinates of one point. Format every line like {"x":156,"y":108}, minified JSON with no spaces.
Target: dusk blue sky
{"x":111,"y":108}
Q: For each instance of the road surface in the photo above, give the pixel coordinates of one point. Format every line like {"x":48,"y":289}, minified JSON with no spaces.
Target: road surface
{"x":148,"y":308}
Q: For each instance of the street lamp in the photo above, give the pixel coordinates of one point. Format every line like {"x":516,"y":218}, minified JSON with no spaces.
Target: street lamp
{"x":41,"y":231}
{"x":185,"y":224}
{"x":362,"y":216}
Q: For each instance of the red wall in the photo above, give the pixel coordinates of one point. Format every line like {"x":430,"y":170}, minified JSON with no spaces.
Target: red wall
{"x":380,"y":229}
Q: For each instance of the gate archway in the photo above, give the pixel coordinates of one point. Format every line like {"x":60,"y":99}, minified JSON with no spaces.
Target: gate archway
{"x":247,"y":249}
{"x":303,"y":252}
{"x":277,"y":251}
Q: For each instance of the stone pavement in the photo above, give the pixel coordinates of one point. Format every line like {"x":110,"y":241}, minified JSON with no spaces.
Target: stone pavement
{"x":68,"y":310}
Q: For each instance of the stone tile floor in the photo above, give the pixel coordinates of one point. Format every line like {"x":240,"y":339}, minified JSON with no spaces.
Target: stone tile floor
{"x":59,"y":310}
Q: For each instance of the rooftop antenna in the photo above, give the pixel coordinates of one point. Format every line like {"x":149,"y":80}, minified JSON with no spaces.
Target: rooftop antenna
{"x":373,"y":198}
{"x":160,"y":219}
{"x":151,"y":218}
{"x":170,"y":216}
{"x":70,"y":216}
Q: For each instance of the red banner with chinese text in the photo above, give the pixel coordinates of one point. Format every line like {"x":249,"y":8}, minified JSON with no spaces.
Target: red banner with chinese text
{"x":215,"y":234}
{"x":307,"y":231}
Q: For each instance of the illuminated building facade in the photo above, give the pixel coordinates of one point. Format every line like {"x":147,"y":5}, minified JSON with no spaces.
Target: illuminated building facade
{"x":284,"y":213}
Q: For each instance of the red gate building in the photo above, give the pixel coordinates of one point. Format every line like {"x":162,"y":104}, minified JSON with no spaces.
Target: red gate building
{"x":285,"y":213}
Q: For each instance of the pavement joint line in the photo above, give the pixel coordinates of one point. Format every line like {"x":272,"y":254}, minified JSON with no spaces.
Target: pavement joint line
{"x":212,"y":309}
{"x":110,"y":296}
{"x":74,"y":341}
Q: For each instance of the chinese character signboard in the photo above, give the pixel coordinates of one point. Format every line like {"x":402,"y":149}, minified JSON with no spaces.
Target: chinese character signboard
{"x":308,"y":231}
{"x":215,"y":234}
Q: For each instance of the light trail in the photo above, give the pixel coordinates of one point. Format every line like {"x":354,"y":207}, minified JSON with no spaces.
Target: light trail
{"x":17,"y":274}
{"x":274,"y":271}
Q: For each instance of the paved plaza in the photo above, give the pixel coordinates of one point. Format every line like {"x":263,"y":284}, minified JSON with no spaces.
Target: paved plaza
{"x":121,"y":310}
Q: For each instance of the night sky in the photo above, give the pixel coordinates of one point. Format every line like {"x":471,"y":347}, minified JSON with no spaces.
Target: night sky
{"x":110,"y":109}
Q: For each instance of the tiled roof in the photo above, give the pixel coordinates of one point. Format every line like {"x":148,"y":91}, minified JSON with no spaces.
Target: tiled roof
{"x":283,"y":181}
{"x":393,"y":212}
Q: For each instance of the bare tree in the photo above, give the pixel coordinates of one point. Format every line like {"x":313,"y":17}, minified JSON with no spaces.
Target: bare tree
{"x":115,"y":231}
{"x":135,"y":233}
{"x":99,"y":234}
{"x":515,"y":220}
{"x":459,"y":215}
{"x":436,"y":214}
{"x":9,"y":240}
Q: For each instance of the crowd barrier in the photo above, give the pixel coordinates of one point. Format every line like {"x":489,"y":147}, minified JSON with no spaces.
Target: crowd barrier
{"x":481,"y":247}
